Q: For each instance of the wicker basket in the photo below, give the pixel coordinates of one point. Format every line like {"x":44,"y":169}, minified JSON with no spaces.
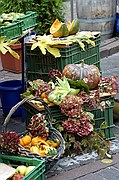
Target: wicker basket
{"x":53,"y":133}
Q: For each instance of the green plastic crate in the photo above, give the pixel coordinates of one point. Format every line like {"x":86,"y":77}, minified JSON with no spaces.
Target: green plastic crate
{"x":30,"y":111}
{"x":36,"y":174}
{"x":28,"y":20}
{"x":39,"y":65}
{"x":106,"y":115}
{"x":12,"y":31}
{"x":99,"y":116}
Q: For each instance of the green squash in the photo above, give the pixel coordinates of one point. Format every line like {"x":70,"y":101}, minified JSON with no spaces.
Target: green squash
{"x":52,"y":151}
{"x":59,"y":29}
{"x":73,"y":26}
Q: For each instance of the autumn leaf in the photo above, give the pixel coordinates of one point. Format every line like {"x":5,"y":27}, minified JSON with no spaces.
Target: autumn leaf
{"x":4,"y":46}
{"x":107,"y":161}
{"x":44,"y":47}
{"x":81,"y":44}
{"x":54,"y":51}
{"x":90,"y":42}
{"x":34,"y":45}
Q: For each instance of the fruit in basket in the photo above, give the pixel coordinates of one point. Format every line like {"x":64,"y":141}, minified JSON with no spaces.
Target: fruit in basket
{"x":9,"y":142}
{"x":36,"y":140}
{"x":38,"y":125}
{"x":25,"y":140}
{"x":34,"y":149}
{"x":90,"y":74}
{"x":24,"y":170}
{"x":47,"y":150}
{"x":21,"y":169}
{"x":59,"y":29}
{"x":28,"y":169}
{"x":17,"y":177}
{"x":51,"y":151}
{"x":52,"y":143}
{"x":73,"y":26}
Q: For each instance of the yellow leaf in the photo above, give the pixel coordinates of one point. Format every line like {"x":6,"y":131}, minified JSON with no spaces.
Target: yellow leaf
{"x":2,"y":39}
{"x":34,"y":45}
{"x":90,"y":42}
{"x":3,"y":49}
{"x":81,"y":44}
{"x":13,"y":53}
{"x":54,"y":51}
{"x":42,"y":46}
{"x":4,"y":46}
{"x":106,"y":161}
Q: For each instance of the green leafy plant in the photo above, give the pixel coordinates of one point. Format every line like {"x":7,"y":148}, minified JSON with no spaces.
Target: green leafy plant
{"x":75,"y":144}
{"x":47,"y":11}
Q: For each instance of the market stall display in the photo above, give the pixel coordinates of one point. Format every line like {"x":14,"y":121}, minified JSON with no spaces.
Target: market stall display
{"x":68,"y":105}
{"x":95,"y":99}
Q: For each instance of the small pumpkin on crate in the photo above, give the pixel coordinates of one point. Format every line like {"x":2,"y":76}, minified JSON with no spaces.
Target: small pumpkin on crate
{"x":90,"y":74}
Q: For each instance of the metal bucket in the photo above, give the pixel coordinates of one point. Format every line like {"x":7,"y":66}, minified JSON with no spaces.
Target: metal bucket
{"x":97,"y":15}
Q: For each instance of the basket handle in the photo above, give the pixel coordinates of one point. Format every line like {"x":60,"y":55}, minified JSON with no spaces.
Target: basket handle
{"x":14,"y":108}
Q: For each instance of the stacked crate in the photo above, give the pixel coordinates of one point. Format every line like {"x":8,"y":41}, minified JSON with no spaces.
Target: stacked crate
{"x":19,"y":25}
{"x":39,"y":65}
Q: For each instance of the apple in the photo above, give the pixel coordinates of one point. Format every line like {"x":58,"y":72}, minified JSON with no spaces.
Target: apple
{"x":17,"y":177}
{"x":21,"y":169}
{"x":28,"y":169}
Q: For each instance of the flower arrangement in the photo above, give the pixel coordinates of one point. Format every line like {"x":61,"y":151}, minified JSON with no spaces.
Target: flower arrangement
{"x":76,"y":102}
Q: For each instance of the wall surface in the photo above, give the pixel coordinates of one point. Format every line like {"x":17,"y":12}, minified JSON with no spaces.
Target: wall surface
{"x":67,"y":4}
{"x":68,"y":14}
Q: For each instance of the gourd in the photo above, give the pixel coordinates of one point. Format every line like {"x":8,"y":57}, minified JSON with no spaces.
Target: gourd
{"x":52,"y":143}
{"x":73,"y":26}
{"x":59,"y":29}
{"x":25,"y":140}
{"x":90,"y":74}
{"x":52,"y":151}
{"x":36,"y":140}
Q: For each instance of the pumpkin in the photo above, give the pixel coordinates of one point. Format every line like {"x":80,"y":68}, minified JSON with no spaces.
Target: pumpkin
{"x":25,"y":140}
{"x":90,"y":74}
{"x":73,"y":26}
{"x":52,"y":143}
{"x":35,"y":149}
{"x":59,"y":29}
{"x":36,"y":140}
